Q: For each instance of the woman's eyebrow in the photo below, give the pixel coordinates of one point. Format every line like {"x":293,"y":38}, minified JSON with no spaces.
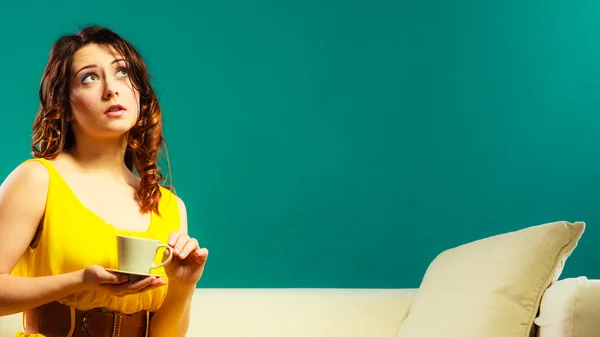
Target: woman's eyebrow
{"x":94,"y":66}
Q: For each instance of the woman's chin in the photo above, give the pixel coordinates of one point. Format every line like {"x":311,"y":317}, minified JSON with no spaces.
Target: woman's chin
{"x":114,"y":131}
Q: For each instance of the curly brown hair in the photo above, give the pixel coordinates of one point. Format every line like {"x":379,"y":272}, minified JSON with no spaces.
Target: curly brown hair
{"x":52,"y":133}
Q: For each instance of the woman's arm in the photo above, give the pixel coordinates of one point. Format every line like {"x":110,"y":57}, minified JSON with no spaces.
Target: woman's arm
{"x":173,"y":316}
{"x":22,"y":206}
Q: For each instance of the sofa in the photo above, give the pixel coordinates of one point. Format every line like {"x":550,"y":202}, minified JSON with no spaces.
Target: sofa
{"x":517,"y":293}
{"x":570,"y":308}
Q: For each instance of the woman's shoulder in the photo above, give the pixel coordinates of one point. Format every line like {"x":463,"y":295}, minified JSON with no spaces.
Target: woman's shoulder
{"x":31,"y":173}
{"x":170,"y":197}
{"x":23,"y":195}
{"x":173,"y":204}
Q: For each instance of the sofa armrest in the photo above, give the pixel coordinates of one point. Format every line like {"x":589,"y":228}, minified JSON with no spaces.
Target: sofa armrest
{"x":570,"y":307}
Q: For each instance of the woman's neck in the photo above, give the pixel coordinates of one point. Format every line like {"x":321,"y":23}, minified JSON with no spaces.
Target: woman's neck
{"x":100,"y":156}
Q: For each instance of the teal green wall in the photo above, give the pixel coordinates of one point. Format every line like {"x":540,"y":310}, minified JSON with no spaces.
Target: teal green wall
{"x":347,"y":143}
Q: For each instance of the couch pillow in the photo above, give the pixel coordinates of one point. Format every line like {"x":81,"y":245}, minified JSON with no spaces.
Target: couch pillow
{"x":491,"y":287}
{"x":570,"y":307}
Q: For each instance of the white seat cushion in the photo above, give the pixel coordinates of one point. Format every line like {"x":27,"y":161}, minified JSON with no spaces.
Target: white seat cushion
{"x":570,"y":307}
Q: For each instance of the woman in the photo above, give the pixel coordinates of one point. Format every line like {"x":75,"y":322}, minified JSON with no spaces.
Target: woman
{"x":60,"y":212}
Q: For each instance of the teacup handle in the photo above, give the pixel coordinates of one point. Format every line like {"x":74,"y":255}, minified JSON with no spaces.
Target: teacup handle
{"x":168,"y":258}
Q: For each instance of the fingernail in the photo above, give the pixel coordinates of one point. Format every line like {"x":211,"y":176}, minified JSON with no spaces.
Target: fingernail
{"x":176,"y":250}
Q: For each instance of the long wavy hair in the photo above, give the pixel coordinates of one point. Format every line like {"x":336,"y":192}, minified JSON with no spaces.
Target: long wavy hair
{"x":52,"y":131}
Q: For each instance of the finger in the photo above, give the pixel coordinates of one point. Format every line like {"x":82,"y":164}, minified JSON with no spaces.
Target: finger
{"x":181,"y":242}
{"x":173,"y":238}
{"x":124,"y":292}
{"x":155,"y":284}
{"x":189,"y":247}
{"x":166,"y":256}
{"x":133,"y":287}
{"x":200,"y":256}
{"x":113,"y":278}
{"x":148,"y":281}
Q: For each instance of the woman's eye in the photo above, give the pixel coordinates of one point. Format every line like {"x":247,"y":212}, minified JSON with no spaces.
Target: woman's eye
{"x":90,"y":78}
{"x":123,"y":72}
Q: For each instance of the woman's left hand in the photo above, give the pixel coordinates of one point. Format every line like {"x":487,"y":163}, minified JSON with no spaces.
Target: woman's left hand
{"x":188,"y":261}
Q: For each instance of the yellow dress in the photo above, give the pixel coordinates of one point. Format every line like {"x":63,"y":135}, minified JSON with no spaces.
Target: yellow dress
{"x":73,"y":238}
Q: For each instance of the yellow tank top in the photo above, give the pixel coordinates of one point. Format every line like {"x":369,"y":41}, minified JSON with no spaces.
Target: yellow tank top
{"x":73,"y":237}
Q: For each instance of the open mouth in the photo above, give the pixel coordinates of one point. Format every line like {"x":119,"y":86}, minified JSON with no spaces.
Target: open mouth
{"x":115,"y":110}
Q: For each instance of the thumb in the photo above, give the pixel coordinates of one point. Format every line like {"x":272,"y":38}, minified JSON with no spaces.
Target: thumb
{"x":115,"y":278}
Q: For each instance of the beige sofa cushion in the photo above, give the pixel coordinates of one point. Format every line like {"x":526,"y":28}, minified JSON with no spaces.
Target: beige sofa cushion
{"x":491,"y":287}
{"x":298,"y":312}
{"x":570,"y":307}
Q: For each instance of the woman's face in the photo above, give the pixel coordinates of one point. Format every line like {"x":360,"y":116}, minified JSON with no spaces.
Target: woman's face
{"x":104,"y":103}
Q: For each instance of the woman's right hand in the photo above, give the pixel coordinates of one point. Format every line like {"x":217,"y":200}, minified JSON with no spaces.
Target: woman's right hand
{"x":97,"y":278}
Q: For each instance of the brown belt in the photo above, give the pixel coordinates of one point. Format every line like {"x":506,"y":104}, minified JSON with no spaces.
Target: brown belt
{"x":58,"y":320}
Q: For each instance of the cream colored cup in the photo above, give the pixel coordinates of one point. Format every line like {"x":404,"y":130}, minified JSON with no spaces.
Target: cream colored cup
{"x":136,"y":255}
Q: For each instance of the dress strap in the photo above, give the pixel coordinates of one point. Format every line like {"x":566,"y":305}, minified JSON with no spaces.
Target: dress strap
{"x":44,"y":162}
